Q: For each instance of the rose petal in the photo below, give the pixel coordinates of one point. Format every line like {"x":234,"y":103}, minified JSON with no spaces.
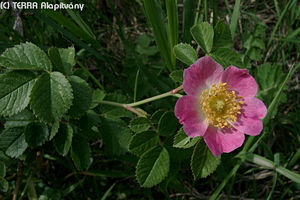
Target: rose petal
{"x":254,"y":108}
{"x":248,"y":125}
{"x":189,"y":114}
{"x":225,"y":140}
{"x":240,"y":81}
{"x":201,"y":75}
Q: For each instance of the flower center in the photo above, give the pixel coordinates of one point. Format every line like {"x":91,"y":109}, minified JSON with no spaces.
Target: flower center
{"x":220,"y":105}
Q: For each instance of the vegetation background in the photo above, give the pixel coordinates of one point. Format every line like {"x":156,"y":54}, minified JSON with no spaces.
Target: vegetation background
{"x":124,"y":52}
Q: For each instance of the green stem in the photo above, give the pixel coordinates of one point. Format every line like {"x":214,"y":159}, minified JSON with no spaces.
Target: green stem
{"x":90,"y":75}
{"x":170,"y":93}
{"x":131,"y":105}
{"x":19,"y":174}
{"x":205,"y":11}
{"x":197,"y":12}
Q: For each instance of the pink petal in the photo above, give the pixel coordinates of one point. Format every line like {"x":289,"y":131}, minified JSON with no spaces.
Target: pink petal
{"x":188,"y":112}
{"x":200,"y":75}
{"x":240,"y":81}
{"x":248,"y":125}
{"x":254,"y":108}
{"x":225,"y":140}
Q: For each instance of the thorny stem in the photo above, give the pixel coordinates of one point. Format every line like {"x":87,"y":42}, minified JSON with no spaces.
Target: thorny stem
{"x":131,"y":105}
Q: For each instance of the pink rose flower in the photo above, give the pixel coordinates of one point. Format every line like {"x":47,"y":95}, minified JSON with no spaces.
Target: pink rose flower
{"x":220,"y":105}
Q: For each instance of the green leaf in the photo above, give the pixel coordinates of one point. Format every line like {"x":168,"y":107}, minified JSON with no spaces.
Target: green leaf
{"x":81,"y":153}
{"x":68,"y":58}
{"x":139,"y":124}
{"x":98,"y":95}
{"x":82,"y":96}
{"x":185,"y":53}
{"x":156,"y":116}
{"x":63,"y":139}
{"x":36,"y":134}
{"x":203,"y":34}
{"x":15,"y":91}
{"x":2,"y":170}
{"x":167,"y":124}
{"x":148,"y":51}
{"x":153,"y":167}
{"x":227,"y":57}
{"x":116,"y":135}
{"x":144,"y":40}
{"x":54,"y":130}
{"x":142,"y":142}
{"x":12,"y":141}
{"x":89,"y":124}
{"x":25,"y":56}
{"x":222,"y":35}
{"x":3,"y":185}
{"x":181,"y":140}
{"x":51,"y":97}
{"x":23,"y":118}
{"x":177,"y":76}
{"x":268,"y":88}
{"x":63,"y":59}
{"x":203,"y":162}
{"x":56,"y":59}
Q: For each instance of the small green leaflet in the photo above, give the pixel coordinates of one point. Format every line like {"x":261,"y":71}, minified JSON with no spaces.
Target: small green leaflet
{"x":153,"y":167}
{"x":167,"y":124}
{"x":227,"y":57}
{"x":139,"y":124}
{"x":51,"y":97}
{"x":15,"y":91}
{"x":26,"y":56}
{"x":36,"y":134}
{"x":177,"y":76}
{"x":63,"y":139}
{"x":142,"y":142}
{"x":82,"y":96}
{"x":116,"y":135}
{"x":203,"y":34}
{"x":21,"y":119}
{"x":185,"y":53}
{"x":181,"y":140}
{"x":203,"y":162}
{"x":222,"y":35}
{"x":12,"y":141}
{"x":81,"y":153}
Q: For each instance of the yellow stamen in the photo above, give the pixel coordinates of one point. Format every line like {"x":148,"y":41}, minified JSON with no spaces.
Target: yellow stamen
{"x":220,"y":105}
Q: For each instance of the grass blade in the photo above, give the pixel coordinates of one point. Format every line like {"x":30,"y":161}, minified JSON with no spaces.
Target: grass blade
{"x":262,"y":161}
{"x":153,"y":13}
{"x":172,"y":14}
{"x":108,"y":191}
{"x":188,"y":17}
{"x":234,"y":17}
{"x":215,"y":12}
{"x":73,"y":28}
{"x":278,"y":22}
